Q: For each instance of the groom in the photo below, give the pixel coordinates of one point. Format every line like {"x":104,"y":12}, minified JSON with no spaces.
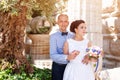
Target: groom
{"x":56,"y":48}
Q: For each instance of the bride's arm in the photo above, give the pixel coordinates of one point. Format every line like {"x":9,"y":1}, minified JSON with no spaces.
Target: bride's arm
{"x":65,"y":48}
{"x":89,"y":44}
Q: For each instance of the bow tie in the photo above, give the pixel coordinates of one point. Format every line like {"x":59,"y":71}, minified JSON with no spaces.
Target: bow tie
{"x":64,"y":33}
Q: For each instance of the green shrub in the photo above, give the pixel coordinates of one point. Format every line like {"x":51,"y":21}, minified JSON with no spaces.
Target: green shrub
{"x":39,"y":74}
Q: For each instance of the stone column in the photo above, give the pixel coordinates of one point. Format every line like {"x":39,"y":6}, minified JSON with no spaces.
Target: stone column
{"x":90,"y":11}
{"x":94,"y":21}
{"x":73,"y":9}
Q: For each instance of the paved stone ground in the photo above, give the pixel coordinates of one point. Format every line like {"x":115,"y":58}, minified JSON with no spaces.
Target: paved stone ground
{"x":110,"y":74}
{"x":107,"y":74}
{"x":44,"y":63}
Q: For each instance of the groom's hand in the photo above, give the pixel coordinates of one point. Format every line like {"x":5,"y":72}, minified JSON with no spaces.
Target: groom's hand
{"x":72,"y":55}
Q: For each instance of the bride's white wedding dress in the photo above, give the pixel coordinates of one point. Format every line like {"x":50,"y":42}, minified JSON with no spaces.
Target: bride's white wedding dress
{"x":75,"y":69}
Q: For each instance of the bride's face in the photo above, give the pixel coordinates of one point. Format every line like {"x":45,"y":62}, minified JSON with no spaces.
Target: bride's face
{"x":81,"y":29}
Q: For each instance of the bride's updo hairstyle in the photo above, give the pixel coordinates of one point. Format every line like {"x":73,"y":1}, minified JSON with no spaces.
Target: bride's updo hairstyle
{"x":75,"y":24}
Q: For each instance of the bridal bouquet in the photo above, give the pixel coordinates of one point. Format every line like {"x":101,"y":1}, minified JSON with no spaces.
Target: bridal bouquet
{"x":94,"y":52}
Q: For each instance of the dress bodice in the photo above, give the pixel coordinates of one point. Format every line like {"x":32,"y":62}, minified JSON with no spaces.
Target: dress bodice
{"x":79,"y":46}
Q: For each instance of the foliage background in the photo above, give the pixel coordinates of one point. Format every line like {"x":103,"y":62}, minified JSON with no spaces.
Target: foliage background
{"x":14,"y":15}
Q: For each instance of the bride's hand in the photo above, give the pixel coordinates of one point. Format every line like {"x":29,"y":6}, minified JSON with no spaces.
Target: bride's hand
{"x":85,"y":59}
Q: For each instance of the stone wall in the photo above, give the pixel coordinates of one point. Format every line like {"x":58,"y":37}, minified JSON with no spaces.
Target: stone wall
{"x":111,"y":34}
